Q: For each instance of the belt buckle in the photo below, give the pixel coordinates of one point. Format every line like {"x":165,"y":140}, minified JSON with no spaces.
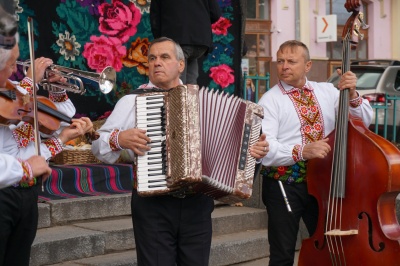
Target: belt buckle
{"x":179,"y":195}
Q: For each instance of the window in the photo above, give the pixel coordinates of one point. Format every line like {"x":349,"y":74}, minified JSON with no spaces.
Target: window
{"x":334,"y":49}
{"x":258,"y":38}
{"x":258,"y":9}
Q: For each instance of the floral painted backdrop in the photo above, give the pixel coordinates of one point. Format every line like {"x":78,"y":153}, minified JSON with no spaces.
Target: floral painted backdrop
{"x":91,"y":34}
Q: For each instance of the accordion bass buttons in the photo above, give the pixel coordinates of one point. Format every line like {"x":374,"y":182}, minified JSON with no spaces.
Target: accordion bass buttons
{"x":245,"y":146}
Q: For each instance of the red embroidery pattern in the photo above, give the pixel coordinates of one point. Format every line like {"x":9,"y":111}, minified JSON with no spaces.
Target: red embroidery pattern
{"x":309,"y":113}
{"x":27,"y":179}
{"x":58,"y":97}
{"x":356,"y":102}
{"x":297,"y":153}
{"x":54,"y":146}
{"x":27,"y":84}
{"x":23,"y":135}
{"x":113,"y":141}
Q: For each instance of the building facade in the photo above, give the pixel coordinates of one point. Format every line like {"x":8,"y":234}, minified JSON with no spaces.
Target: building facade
{"x":272,"y":22}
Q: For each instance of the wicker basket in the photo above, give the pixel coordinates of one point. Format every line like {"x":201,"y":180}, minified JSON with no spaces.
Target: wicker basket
{"x":80,"y":156}
{"x":75,"y":157}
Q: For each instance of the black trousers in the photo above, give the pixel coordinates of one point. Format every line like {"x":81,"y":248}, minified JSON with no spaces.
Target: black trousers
{"x":172,"y":231}
{"x":18,"y":224}
{"x":283,"y":226}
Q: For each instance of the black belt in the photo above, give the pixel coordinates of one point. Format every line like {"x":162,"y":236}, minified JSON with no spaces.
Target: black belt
{"x":182,"y":193}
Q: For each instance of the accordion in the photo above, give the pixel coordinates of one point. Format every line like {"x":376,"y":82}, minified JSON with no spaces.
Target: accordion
{"x":200,"y":142}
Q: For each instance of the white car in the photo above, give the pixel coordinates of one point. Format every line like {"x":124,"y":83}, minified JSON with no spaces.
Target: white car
{"x":379,"y":82}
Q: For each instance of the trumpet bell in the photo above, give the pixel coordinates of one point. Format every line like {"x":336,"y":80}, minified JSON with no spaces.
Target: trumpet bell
{"x":107,"y":79}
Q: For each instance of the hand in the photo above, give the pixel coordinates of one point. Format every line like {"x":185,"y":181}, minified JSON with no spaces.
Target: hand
{"x":134,"y":139}
{"x":260,"y":148}
{"x":41,"y":64}
{"x":55,"y":76}
{"x":317,"y":149}
{"x":39,"y":167}
{"x":352,"y":5}
{"x":348,"y":81}
{"x":77,"y":128}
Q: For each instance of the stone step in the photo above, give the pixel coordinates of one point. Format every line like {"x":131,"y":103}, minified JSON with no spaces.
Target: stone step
{"x":89,"y":238}
{"x":65,"y":211}
{"x":225,"y":250}
{"x":265,"y":261}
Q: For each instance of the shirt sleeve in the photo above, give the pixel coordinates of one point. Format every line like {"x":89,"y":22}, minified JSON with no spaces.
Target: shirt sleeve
{"x":363,"y":111}
{"x":121,"y":118}
{"x":11,"y":170}
{"x":279,"y":154}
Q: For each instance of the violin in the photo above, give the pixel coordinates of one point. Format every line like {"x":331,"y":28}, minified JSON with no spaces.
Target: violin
{"x":16,"y":107}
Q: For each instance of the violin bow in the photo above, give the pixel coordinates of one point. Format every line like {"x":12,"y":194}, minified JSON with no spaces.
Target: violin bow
{"x":34,"y":89}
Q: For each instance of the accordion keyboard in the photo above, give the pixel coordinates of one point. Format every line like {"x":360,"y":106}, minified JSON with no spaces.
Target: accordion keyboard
{"x":151,"y":167}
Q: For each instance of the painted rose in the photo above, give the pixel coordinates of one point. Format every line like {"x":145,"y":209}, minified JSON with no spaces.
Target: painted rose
{"x":222,"y":75}
{"x":221,"y":26}
{"x":137,"y":56}
{"x":119,"y":20}
{"x":104,"y":51}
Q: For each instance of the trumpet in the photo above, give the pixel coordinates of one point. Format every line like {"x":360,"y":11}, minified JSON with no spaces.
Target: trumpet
{"x":75,"y":78}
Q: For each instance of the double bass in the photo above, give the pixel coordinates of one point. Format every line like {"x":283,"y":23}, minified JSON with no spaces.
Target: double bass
{"x":356,"y":188}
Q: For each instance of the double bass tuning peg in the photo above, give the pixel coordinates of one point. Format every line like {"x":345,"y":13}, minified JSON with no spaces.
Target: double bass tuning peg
{"x":364,"y":26}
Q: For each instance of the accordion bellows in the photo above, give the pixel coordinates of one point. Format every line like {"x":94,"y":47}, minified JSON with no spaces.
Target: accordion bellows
{"x":207,"y":139}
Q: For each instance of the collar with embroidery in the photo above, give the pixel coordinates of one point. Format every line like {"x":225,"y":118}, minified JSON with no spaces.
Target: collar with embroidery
{"x":287,"y":89}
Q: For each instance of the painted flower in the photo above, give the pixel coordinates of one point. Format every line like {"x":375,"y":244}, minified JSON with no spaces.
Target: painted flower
{"x":119,"y":20}
{"x":69,"y":48}
{"x":224,"y":3}
{"x":220,"y":51}
{"x":222,"y":75}
{"x":18,"y":9}
{"x":105,"y":115}
{"x":104,"y":51}
{"x":137,"y":56}
{"x":92,"y":5}
{"x":143,"y":5}
{"x":221,"y":26}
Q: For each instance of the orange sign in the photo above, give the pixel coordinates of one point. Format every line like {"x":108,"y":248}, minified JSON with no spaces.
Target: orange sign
{"x":326,"y":28}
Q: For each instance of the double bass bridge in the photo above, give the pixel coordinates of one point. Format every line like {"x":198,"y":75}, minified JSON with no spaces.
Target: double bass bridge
{"x":338,"y":232}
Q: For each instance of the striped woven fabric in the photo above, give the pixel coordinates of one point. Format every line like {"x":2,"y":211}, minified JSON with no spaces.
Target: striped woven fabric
{"x":74,"y":181}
